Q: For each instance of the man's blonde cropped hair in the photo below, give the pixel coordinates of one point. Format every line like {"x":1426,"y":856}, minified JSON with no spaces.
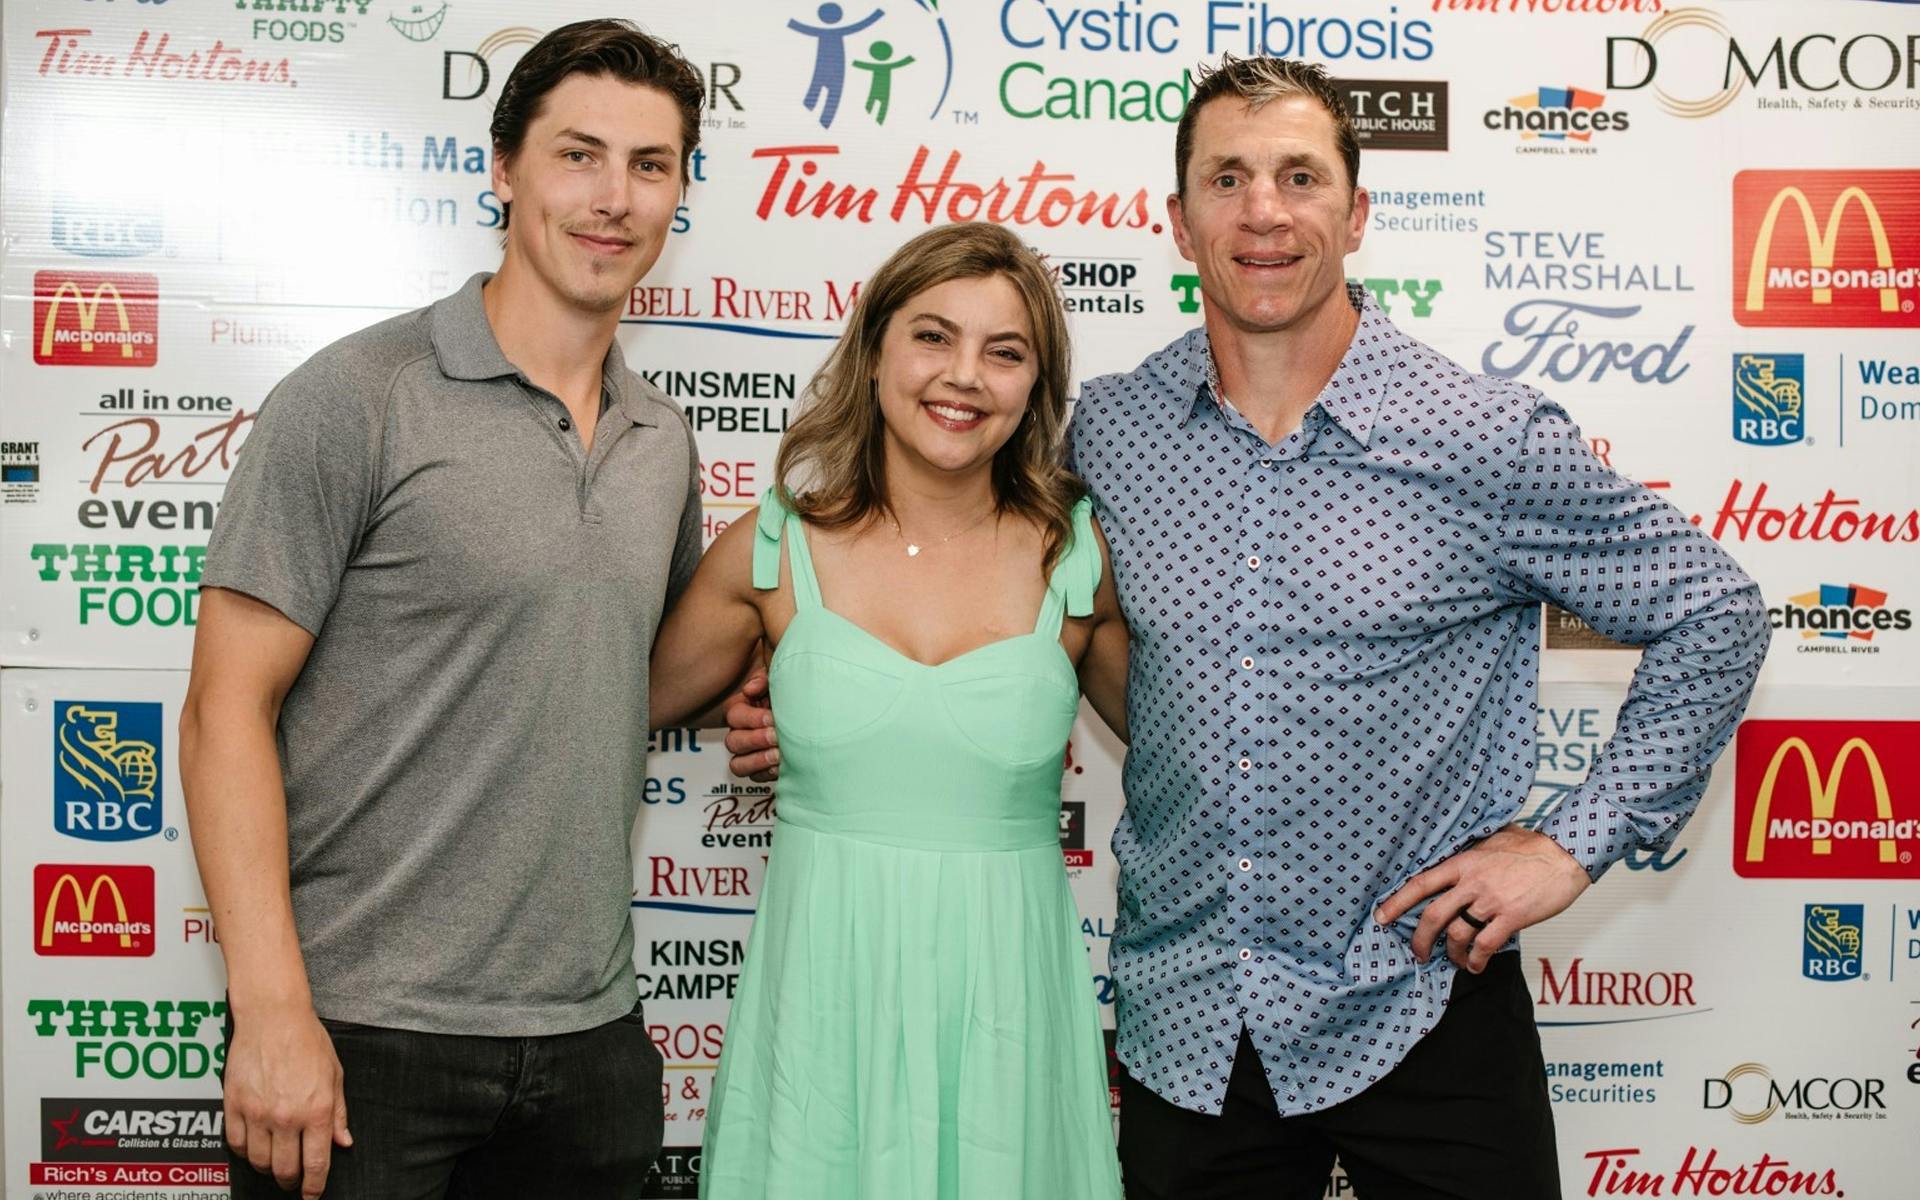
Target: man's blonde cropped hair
{"x":1257,"y":82}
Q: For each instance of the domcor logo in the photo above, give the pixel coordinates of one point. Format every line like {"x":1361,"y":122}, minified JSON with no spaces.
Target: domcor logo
{"x":1807,"y":274}
{"x":70,"y":916}
{"x":1861,"y":820}
{"x":68,"y":325}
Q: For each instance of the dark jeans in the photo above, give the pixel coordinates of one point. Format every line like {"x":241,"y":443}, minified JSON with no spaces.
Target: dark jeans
{"x":577,"y":1115}
{"x":1465,"y":1116}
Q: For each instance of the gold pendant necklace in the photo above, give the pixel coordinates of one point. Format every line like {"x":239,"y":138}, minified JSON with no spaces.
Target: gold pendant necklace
{"x":914,"y":548}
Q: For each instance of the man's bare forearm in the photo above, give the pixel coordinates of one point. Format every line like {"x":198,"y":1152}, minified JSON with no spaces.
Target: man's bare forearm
{"x":230,"y":770}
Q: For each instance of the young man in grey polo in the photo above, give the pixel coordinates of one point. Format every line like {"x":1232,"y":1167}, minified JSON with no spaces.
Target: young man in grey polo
{"x":414,"y":739}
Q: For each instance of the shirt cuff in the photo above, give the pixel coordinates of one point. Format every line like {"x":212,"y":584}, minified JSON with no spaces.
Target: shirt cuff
{"x":1593,"y":831}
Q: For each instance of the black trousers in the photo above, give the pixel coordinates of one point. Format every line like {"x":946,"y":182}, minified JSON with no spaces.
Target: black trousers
{"x":577,"y":1115}
{"x":1465,"y":1117}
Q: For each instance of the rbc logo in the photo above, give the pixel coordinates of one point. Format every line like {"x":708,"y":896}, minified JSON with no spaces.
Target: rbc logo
{"x":1768,"y":392}
{"x":107,"y":768}
{"x":1832,"y":949}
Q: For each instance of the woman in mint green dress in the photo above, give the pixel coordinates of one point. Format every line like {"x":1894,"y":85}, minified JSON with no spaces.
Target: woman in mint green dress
{"x":915,"y":1018}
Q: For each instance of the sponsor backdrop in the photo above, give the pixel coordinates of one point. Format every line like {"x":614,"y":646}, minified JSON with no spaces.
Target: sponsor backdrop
{"x":1696,"y":225}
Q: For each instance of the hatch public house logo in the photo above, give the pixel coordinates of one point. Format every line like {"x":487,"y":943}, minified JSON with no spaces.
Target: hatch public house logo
{"x":1860,"y":818}
{"x":107,"y":769}
{"x":96,"y":911}
{"x":1397,"y":114}
{"x":95,"y":319}
{"x":1831,"y":950}
{"x":1769,"y":398}
{"x":1826,"y":249}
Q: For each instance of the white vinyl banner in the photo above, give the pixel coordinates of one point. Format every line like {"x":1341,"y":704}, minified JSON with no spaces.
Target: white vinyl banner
{"x":1696,"y":226}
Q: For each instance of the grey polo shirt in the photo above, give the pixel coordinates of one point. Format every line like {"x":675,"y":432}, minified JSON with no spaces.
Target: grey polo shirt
{"x":465,"y":748}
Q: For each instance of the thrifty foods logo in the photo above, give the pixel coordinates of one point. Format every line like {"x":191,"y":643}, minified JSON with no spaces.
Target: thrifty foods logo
{"x":95,"y":319}
{"x":1557,"y":120}
{"x":124,"y":563}
{"x":1769,"y":395}
{"x":1811,"y":72}
{"x":1751,"y":1095}
{"x":102,"y":911}
{"x":421,"y":24}
{"x":121,"y":1143}
{"x":1396,"y":297}
{"x":1830,"y":947}
{"x":1826,"y":249}
{"x":136,"y":1039}
{"x":1397,"y":114}
{"x":1860,"y":816}
{"x":108,"y":771}
{"x":1840,"y":618}
{"x":97,"y":231}
{"x":302,"y":20}
{"x":1073,"y":834}
{"x":1611,"y":996}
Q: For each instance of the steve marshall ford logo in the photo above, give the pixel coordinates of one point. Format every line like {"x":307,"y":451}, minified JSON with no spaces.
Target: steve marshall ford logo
{"x":131,"y":1143}
{"x":1827,"y":799}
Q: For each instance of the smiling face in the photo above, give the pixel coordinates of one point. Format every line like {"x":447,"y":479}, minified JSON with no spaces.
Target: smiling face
{"x":1269,"y":215}
{"x":957,"y":367}
{"x":594,"y":186}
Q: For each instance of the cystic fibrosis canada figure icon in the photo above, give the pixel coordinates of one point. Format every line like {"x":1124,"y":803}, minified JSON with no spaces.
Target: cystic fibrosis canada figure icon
{"x":880,"y":88}
{"x":830,"y":59}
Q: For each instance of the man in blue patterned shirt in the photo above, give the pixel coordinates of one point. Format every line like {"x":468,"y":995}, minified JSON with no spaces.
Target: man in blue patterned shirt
{"x":1331,"y":545}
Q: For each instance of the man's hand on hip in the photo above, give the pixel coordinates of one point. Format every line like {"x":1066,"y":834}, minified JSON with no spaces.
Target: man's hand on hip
{"x":750,"y":735}
{"x":285,"y":1107}
{"x":1484,"y":895}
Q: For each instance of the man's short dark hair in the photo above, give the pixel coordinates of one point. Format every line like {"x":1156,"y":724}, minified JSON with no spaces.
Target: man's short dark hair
{"x":607,"y":46}
{"x":1258,"y":81}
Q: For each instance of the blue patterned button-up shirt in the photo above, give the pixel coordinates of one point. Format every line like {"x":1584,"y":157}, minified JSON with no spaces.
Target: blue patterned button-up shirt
{"x":1334,"y":685}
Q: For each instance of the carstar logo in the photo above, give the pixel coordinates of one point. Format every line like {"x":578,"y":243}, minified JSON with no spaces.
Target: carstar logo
{"x":95,"y":319}
{"x":1860,"y":818}
{"x":102,"y":911}
{"x":1073,"y":834}
{"x":130,"y":1146}
{"x":1792,"y":266}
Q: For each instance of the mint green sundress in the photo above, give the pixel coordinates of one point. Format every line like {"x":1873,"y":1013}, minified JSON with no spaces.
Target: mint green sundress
{"x":915,"y":1019}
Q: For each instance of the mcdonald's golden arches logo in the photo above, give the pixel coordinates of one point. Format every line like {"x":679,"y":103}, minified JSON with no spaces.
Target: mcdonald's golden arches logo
{"x":1858,"y":816}
{"x":95,"y":319}
{"x":104,"y":911}
{"x":1826,"y":248}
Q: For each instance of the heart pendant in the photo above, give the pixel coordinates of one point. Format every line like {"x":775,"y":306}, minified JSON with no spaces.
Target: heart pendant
{"x":912,"y":549}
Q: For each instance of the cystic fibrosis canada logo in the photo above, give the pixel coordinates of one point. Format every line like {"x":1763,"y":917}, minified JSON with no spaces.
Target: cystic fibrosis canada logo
{"x":101,"y":911}
{"x":107,"y":769}
{"x":1831,"y":949}
{"x":900,"y":44}
{"x":1826,"y":248}
{"x":1826,"y":799}
{"x":1769,"y":398}
{"x":95,"y":319}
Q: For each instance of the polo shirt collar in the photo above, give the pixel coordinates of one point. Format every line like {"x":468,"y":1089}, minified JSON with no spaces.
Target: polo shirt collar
{"x":464,"y":344}
{"x":1352,"y":397}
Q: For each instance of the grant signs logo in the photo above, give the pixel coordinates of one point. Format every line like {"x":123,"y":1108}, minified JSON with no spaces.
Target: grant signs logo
{"x":104,"y":911}
{"x":95,"y":319}
{"x":1857,"y":816}
{"x":1826,"y":248}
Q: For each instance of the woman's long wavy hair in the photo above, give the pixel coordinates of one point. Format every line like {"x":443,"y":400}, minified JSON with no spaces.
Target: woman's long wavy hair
{"x":831,"y":468}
